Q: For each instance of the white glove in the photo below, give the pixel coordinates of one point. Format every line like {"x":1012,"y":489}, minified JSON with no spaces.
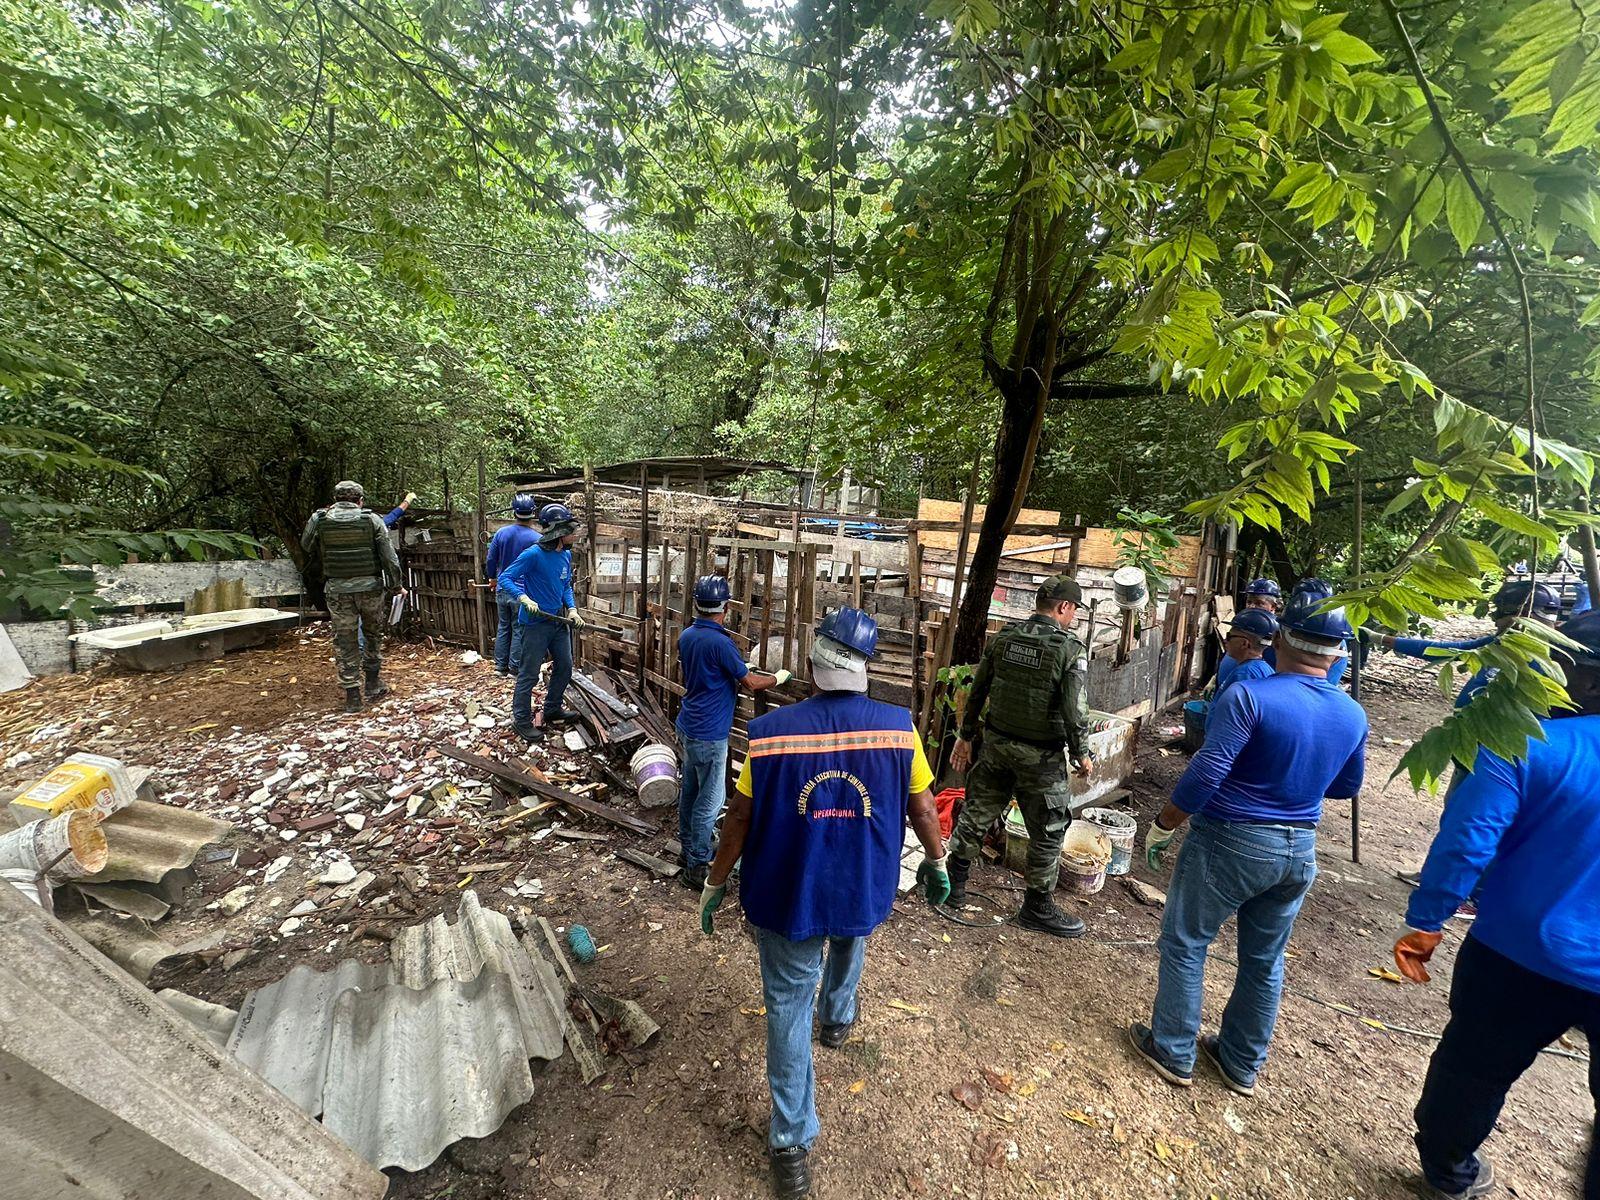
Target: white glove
{"x":529,"y":603}
{"x":1156,"y":841}
{"x":782,"y":676}
{"x":575,"y":617}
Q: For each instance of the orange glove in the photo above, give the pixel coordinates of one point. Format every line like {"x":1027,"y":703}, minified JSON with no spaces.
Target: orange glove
{"x":1412,"y":952}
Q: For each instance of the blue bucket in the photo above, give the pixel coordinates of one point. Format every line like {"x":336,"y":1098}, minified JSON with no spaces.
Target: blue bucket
{"x":1194,"y":724}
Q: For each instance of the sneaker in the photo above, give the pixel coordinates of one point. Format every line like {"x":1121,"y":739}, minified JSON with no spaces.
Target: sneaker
{"x":1481,"y":1186}
{"x":1144,"y":1043}
{"x":791,"y":1174}
{"x":1212,"y":1050}
{"x":834,"y":1036}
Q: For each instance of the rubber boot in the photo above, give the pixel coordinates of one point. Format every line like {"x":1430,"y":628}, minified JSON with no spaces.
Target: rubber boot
{"x":1040,"y":914}
{"x":959,"y":870}
{"x":352,"y":699}
{"x":791,"y":1173}
{"x":375,"y":686}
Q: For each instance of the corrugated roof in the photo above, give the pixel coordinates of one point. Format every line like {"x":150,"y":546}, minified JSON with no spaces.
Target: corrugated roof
{"x":146,"y":840}
{"x":411,"y":1071}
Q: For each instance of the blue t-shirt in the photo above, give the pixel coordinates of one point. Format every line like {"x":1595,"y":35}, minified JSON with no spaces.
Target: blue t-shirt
{"x":507,"y":543}
{"x":1231,"y":670}
{"x":712,"y":669}
{"x":1335,"y":672}
{"x":828,"y":779}
{"x":1274,"y":749}
{"x":1531,"y":831}
{"x":546,"y":575}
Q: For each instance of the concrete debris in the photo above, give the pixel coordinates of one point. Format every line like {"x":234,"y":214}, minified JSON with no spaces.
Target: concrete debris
{"x":277,"y":867}
{"x":237,"y":900}
{"x":290,"y":927}
{"x":339,"y":871}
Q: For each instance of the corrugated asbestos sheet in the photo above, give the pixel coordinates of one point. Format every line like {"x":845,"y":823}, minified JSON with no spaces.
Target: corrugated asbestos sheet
{"x":295,"y":1030}
{"x":411,"y":1071}
{"x":146,"y":840}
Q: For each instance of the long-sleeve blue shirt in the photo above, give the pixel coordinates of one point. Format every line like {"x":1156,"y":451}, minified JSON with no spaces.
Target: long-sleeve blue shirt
{"x":546,"y":575}
{"x":508,"y":542}
{"x":1335,"y":672}
{"x":1229,"y":671}
{"x":392,"y":517}
{"x":1274,"y":749}
{"x":1531,"y":831}
{"x":1419,"y":647}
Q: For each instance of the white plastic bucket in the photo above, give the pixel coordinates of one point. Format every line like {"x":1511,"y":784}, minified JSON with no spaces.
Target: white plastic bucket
{"x":1129,"y":588}
{"x":655,"y":774}
{"x":1084,"y":857}
{"x":1121,"y":831}
{"x":75,"y":838}
{"x":25,"y":881}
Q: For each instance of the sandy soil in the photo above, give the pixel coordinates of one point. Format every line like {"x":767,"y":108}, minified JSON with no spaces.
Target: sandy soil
{"x":1036,"y":1024}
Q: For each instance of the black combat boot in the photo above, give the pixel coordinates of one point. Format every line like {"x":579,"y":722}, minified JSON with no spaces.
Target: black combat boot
{"x":791,"y":1174}
{"x":352,"y":699}
{"x":375,"y":686}
{"x":1039,"y":913}
{"x":561,"y":714}
{"x":958,"y":869}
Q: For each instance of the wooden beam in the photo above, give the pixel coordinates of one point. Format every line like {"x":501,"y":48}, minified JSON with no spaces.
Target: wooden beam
{"x":529,"y":783}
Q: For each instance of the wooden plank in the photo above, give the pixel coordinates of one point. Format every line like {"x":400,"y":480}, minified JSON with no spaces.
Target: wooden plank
{"x":528,"y":783}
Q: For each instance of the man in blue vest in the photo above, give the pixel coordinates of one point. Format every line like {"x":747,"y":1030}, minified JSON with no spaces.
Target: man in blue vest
{"x":1244,"y":647}
{"x":508,"y":542}
{"x":713,"y":671}
{"x":1254,"y":791}
{"x":1529,"y":970}
{"x":541,"y":580}
{"x":819,"y":815}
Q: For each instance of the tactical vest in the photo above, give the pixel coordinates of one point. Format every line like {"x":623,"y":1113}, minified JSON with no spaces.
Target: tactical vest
{"x":348,"y":543}
{"x":1027,"y":697}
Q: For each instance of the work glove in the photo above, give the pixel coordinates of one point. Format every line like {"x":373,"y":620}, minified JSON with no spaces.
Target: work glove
{"x":710,"y":900}
{"x":1413,"y":950}
{"x":782,"y":676}
{"x":529,"y":603}
{"x":1156,"y":841}
{"x":933,"y":877}
{"x":409,"y":500}
{"x":575,"y":617}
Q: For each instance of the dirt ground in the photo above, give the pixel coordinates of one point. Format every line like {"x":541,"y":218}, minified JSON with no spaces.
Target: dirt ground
{"x":1064,"y":1109}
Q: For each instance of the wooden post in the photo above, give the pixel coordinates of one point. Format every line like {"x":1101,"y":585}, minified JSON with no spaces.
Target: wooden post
{"x":593,"y":518}
{"x":1077,"y":545}
{"x":806,"y":617}
{"x":947,"y":631}
{"x":644,"y":566}
{"x":914,"y":593}
{"x":478,"y":598}
{"x":855,"y":579}
{"x":767,"y":562}
{"x":1591,"y":564}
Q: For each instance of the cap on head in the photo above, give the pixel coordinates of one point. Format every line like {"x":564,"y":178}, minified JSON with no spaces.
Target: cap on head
{"x":845,"y":640}
{"x":1264,"y":587}
{"x":347,"y":489}
{"x":523,"y":506}
{"x":1060,"y":589}
{"x":1518,"y":596}
{"x":1256,"y":622}
{"x":711,"y":593}
{"x":1312,"y":631}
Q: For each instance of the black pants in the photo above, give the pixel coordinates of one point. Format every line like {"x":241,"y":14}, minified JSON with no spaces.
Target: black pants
{"x":1501,"y":1016}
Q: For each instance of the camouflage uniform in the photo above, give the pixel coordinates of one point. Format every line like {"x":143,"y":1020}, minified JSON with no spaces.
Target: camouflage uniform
{"x":359,"y":564}
{"x":1034,"y":680}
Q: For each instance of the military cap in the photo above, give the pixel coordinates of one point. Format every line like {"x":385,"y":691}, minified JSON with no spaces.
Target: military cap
{"x":1060,"y":588}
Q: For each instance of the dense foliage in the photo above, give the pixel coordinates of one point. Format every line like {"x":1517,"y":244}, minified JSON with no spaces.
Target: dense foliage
{"x":1236,"y":261}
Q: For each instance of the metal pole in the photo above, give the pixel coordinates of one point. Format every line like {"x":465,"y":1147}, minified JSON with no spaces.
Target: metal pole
{"x":1355,"y":669}
{"x":480,"y":618}
{"x":1591,"y":566}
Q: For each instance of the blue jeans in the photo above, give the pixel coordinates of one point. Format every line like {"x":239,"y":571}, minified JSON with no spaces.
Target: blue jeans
{"x":789,"y":975}
{"x":541,"y":637}
{"x":704,"y":790}
{"x":1262,"y":873}
{"x":507,"y":633}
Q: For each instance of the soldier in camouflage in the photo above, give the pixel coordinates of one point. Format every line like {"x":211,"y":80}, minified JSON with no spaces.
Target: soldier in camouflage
{"x":359,"y":565}
{"x":1031,"y":693}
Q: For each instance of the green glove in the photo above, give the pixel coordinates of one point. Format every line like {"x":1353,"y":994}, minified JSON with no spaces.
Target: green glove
{"x":710,"y":900}
{"x":1156,"y":841}
{"x":934,"y":879}
{"x":782,"y":676}
{"x":575,"y":617}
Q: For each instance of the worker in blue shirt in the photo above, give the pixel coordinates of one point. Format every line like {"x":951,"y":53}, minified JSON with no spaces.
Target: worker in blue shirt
{"x":712,"y":671}
{"x":1322,"y":589}
{"x":1516,"y":598}
{"x":1265,"y":595}
{"x":508,"y":542}
{"x":1529,"y":970}
{"x":1248,"y":636}
{"x":1254,"y":793}
{"x":541,"y":580}
{"x":819,"y":814}
{"x":392,"y":517}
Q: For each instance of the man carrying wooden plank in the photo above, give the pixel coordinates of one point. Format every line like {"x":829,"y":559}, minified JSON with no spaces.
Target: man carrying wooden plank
{"x":819,"y":815}
{"x":713,"y":671}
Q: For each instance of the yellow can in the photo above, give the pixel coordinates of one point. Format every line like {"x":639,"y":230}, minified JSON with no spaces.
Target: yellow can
{"x":83,"y":781}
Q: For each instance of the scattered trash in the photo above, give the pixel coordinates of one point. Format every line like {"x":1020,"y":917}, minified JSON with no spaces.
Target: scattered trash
{"x":471,"y":658}
{"x":581,"y":943}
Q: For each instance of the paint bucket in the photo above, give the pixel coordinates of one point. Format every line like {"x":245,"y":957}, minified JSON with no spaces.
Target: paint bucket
{"x":655,"y":774}
{"x":1121,"y":831}
{"x":1129,"y":588}
{"x":1194,"y":724}
{"x":38,"y":844}
{"x":1085,"y":854}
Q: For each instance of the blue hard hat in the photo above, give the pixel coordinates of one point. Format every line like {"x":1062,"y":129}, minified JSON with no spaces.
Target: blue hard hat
{"x":1264,"y":587}
{"x":1512,"y":598}
{"x":1302,"y":615}
{"x":523,"y":505}
{"x":1585,"y":630}
{"x":1256,"y":621}
{"x":552,"y":514}
{"x":1312,"y":586}
{"x":711,"y":593}
{"x":852,"y":628}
